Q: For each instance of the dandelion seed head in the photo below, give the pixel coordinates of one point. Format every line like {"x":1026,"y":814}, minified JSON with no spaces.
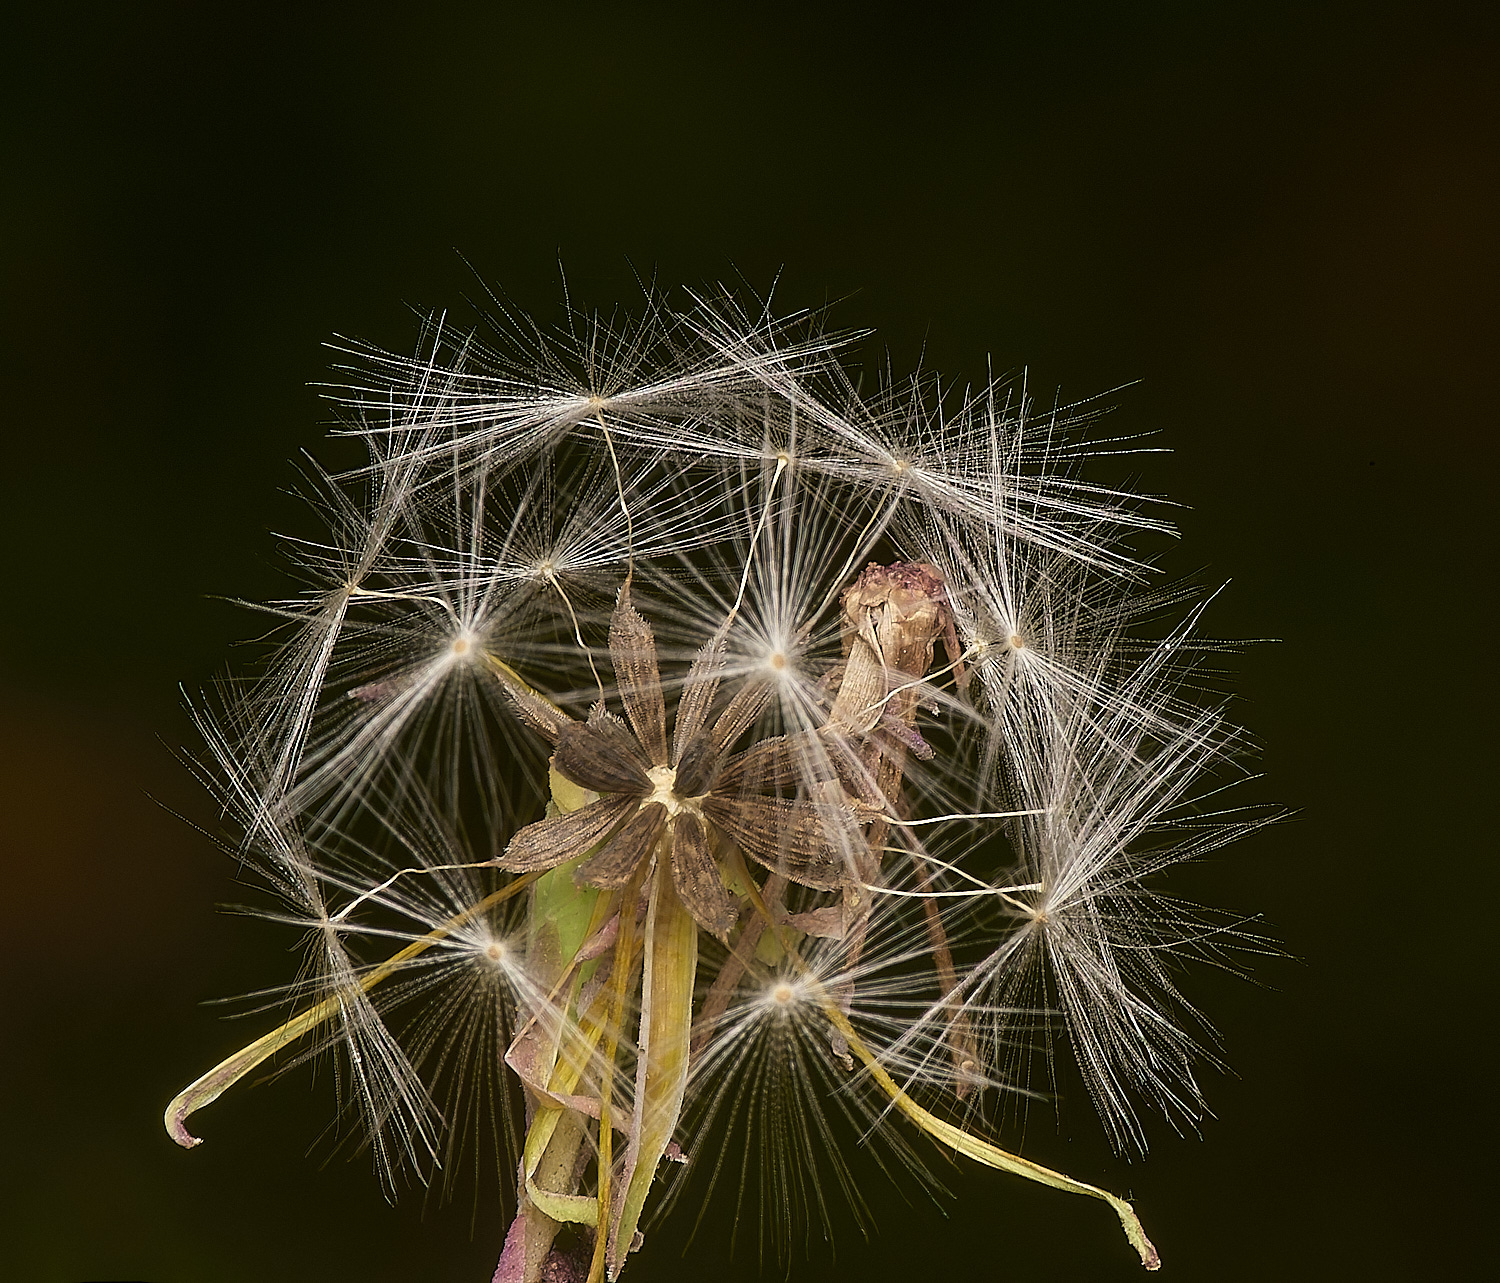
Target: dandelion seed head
{"x":936,"y":813}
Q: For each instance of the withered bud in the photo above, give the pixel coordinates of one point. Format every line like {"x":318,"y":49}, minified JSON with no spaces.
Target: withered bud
{"x":900,"y":610}
{"x":897,"y":612}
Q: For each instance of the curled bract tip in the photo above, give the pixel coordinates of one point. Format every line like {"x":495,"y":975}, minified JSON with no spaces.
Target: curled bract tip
{"x":176,"y":1123}
{"x":1150,"y":1257}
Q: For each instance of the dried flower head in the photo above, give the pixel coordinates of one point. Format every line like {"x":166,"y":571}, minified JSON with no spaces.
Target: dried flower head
{"x":672,"y":744}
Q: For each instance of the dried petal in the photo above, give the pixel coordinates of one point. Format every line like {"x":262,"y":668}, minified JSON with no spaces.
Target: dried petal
{"x":696,"y":876}
{"x":613,"y":866}
{"x":632,"y":650}
{"x":697,"y":767}
{"x":697,"y":696}
{"x":826,"y":923}
{"x":538,"y":711}
{"x":740,"y":715}
{"x":561,"y":837}
{"x":594,"y":756}
{"x":796,"y":839}
{"x":785,"y":765}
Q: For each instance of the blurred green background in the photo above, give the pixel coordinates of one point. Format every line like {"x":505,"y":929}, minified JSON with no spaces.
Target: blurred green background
{"x":1276,"y":222}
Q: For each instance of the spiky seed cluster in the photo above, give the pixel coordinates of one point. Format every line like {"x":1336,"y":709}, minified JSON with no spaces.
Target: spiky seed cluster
{"x":898,"y":645}
{"x":694,"y":794}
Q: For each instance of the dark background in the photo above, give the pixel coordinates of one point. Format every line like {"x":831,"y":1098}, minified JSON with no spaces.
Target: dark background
{"x":1279,"y":219}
